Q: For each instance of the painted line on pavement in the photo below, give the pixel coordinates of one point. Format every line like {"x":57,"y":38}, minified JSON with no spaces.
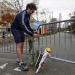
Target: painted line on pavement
{"x":3,"y":66}
{"x":17,"y":69}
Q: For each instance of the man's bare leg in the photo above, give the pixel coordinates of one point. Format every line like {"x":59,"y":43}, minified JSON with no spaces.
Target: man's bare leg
{"x":19,"y":50}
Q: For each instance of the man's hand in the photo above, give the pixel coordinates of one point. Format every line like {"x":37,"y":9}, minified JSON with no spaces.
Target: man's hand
{"x":36,"y":35}
{"x":35,"y":32}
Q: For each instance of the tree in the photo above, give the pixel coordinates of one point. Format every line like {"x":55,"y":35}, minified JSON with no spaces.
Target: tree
{"x":6,"y":18}
{"x":71,"y":27}
{"x":72,"y":15}
{"x":18,"y":4}
{"x":37,"y":3}
{"x":1,"y":22}
{"x":31,"y":20}
{"x":15,"y":4}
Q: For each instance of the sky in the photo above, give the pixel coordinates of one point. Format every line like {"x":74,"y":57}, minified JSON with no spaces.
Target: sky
{"x":58,"y":6}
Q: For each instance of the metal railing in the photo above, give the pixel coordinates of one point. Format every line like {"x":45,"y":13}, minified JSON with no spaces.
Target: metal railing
{"x":60,"y":38}
{"x":57,"y":37}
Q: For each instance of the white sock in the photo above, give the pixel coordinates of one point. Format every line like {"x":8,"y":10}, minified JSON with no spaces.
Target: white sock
{"x":20,"y":63}
{"x":17,"y":59}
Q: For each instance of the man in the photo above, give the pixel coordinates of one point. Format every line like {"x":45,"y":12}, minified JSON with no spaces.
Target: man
{"x":18,"y":27}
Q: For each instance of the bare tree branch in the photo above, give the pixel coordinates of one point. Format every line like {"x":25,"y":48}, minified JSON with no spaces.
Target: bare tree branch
{"x":15,"y":4}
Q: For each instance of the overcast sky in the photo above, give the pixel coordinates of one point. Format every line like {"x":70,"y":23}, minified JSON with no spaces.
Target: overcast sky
{"x":57,"y":6}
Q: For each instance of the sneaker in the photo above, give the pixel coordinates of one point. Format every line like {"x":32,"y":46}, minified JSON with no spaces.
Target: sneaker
{"x":17,"y":62}
{"x":23,"y":67}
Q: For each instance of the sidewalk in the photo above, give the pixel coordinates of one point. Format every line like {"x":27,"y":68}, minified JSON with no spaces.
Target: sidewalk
{"x":52,"y":66}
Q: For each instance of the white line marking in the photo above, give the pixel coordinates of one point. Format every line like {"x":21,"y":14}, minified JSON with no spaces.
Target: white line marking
{"x":17,"y":69}
{"x":3,"y":66}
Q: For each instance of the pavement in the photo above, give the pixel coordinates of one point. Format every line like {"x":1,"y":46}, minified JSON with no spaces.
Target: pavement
{"x":51,"y":67}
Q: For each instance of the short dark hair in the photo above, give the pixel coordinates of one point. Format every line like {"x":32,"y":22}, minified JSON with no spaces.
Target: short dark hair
{"x":31,"y":6}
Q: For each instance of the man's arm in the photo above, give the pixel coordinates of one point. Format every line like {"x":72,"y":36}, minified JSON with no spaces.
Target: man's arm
{"x":29,"y":27}
{"x":23,"y":24}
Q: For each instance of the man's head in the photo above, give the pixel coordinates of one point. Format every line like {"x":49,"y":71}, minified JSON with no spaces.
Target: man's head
{"x":30,"y":8}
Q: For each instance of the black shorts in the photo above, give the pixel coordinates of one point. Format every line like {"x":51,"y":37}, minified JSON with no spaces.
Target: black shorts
{"x":18,"y":35}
